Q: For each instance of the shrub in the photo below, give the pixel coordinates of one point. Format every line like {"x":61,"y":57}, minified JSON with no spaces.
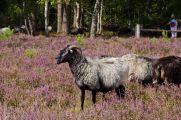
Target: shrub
{"x":6,"y":34}
{"x":30,"y":52}
{"x":165,"y":36}
{"x":80,"y":39}
{"x":153,"y":40}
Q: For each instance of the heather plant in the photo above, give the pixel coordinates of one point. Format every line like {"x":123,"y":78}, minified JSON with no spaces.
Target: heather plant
{"x":31,"y":52}
{"x":38,"y":89}
{"x":2,"y":94}
{"x":5,"y":35}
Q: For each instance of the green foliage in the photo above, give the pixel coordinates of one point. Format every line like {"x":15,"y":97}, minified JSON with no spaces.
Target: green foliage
{"x":164,"y":33}
{"x":165,"y":36}
{"x":109,"y":33}
{"x":6,"y":34}
{"x":123,"y":13}
{"x":153,"y":40}
{"x":15,"y":9}
{"x":31,"y":52}
{"x":80,"y":39}
{"x":42,"y":2}
{"x":145,"y":96}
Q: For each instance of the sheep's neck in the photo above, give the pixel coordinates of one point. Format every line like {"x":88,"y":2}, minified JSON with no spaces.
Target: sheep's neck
{"x":76,"y":62}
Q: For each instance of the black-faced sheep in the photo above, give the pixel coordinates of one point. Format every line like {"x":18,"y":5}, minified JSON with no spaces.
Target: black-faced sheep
{"x":96,"y":75}
{"x":167,"y":70}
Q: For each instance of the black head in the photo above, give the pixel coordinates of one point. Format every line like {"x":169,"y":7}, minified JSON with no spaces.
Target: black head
{"x":68,"y":53}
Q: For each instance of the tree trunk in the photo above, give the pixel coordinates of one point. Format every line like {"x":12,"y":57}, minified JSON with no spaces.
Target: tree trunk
{"x":59,"y":16}
{"x":81,"y":20}
{"x":99,"y":23}
{"x":46,"y":17}
{"x":76,"y":15}
{"x":25,"y":18}
{"x":64,"y":22}
{"x":95,"y":18}
{"x":66,"y":19}
{"x":33,"y":22}
{"x":26,"y":26}
{"x":30,"y":25}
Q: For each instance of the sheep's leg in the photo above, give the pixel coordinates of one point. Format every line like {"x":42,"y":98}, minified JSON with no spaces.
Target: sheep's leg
{"x":82,"y":98}
{"x":166,"y":81}
{"x":93,"y":97}
{"x":103,"y":96}
{"x":120,"y":91}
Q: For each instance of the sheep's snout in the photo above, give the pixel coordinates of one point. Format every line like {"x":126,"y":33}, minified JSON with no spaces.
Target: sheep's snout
{"x":58,"y":58}
{"x":59,"y":61}
{"x":62,"y":58}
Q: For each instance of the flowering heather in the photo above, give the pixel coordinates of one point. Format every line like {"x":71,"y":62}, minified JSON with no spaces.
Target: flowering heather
{"x":36,"y":88}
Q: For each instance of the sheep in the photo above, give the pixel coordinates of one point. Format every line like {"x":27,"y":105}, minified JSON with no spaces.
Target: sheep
{"x":140,"y":67}
{"x":96,"y":75}
{"x":167,"y":70}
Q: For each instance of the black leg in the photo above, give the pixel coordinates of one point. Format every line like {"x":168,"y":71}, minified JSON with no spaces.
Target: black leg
{"x":93,"y":97}
{"x":156,"y":87}
{"x":103,"y":96}
{"x":82,"y":98}
{"x":120,"y":91}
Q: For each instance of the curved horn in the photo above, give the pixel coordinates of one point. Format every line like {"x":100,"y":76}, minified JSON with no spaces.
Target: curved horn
{"x":73,"y":46}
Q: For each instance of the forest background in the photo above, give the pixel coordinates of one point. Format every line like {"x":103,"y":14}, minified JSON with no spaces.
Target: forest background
{"x":92,"y":16}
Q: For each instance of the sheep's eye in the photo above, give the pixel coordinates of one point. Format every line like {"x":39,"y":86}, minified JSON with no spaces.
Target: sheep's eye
{"x":71,"y":51}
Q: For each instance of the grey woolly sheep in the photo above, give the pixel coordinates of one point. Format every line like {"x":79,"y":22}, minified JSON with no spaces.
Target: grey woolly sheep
{"x":96,"y":75}
{"x":140,"y":67}
{"x":167,"y":70}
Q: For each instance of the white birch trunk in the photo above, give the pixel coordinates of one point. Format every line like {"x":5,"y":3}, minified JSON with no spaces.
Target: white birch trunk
{"x":95,"y":18}
{"x":137,"y":31}
{"x":100,"y":19}
{"x":76,"y":15}
{"x":46,"y":17}
{"x":64,"y":22}
{"x":26,"y":26}
{"x":59,"y":16}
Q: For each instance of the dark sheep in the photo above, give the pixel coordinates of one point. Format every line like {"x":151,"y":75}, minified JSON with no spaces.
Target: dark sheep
{"x":167,"y":70}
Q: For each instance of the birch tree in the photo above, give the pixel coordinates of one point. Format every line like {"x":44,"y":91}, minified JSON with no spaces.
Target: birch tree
{"x":96,"y":11}
{"x":46,"y":18}
{"x":99,"y":22}
{"x":59,"y":16}
{"x":29,"y":17}
{"x":76,"y":15}
{"x":63,"y":17}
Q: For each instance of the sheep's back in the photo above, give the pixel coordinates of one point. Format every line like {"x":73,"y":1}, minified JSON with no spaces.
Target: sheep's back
{"x":139,"y":67}
{"x":112,"y":73}
{"x":105,"y":74}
